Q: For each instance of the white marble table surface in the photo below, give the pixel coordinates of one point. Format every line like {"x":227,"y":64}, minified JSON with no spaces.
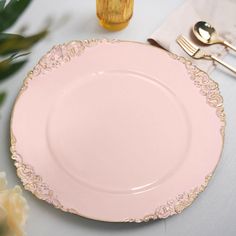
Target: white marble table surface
{"x":213,"y":213}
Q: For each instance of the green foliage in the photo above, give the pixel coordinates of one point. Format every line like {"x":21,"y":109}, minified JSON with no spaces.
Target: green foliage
{"x":14,"y":46}
{"x":2,"y":98}
{"x":7,"y":67}
{"x":14,"y":43}
{"x":10,"y":13}
{"x":2,"y":4}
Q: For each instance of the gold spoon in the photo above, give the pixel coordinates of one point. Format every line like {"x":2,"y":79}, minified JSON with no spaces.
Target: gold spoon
{"x":207,"y":34}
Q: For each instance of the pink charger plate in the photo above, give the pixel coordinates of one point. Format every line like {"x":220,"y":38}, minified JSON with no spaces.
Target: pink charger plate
{"x":116,"y":131}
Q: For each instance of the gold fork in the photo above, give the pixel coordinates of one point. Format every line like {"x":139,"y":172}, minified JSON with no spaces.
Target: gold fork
{"x":194,"y":51}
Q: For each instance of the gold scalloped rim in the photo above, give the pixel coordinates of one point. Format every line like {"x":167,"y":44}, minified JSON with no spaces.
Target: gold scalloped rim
{"x":61,"y":54}
{"x":176,"y":205}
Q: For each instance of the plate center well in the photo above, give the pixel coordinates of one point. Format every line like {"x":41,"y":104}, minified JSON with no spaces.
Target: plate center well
{"x":118,"y":131}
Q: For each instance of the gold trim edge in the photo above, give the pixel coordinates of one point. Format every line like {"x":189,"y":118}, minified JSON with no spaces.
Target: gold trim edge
{"x":63,"y":53}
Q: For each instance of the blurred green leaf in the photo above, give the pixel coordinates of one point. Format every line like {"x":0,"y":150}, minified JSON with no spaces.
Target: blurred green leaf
{"x":6,"y":36}
{"x":13,"y":43}
{"x":2,"y":4}
{"x":11,"y":58}
{"x":2,"y":99}
{"x":7,"y":67}
{"x":11,"y":12}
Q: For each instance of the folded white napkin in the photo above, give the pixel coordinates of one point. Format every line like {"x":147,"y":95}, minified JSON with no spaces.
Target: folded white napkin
{"x":221,"y":14}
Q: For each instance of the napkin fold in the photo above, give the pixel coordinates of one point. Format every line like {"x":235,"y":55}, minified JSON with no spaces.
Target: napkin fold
{"x":221,"y":14}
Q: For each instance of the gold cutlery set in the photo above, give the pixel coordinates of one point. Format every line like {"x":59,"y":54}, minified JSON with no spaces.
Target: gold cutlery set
{"x":206,"y":34}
